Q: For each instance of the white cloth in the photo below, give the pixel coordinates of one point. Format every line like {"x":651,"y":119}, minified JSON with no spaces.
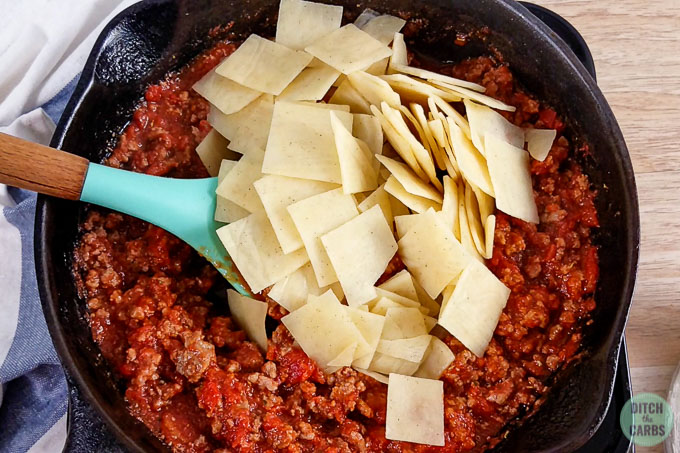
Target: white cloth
{"x":43,"y":45}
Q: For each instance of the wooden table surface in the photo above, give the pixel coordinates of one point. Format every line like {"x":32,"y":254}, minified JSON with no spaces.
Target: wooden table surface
{"x":636,"y":48}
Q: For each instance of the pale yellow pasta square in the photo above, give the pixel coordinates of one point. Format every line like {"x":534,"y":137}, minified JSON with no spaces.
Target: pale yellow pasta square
{"x":301,"y":23}
{"x":316,"y":216}
{"x":263,"y":65}
{"x":415,"y":410}
{"x":370,"y":235}
{"x":348,"y":49}
{"x":301,"y":142}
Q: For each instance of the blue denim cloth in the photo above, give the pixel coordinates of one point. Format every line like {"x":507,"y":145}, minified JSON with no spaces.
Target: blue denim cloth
{"x":34,"y":387}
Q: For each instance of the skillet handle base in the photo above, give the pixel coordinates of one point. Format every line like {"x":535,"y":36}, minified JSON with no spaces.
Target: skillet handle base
{"x":566,"y":32}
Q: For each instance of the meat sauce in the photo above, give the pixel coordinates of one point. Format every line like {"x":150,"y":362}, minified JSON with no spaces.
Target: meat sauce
{"x":192,"y":377}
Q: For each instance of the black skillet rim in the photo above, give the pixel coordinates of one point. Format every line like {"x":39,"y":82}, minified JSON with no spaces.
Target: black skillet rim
{"x":45,"y":282}
{"x":44,"y":276}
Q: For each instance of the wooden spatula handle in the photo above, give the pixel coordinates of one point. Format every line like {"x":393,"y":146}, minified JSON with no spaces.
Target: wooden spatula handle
{"x":40,"y":168}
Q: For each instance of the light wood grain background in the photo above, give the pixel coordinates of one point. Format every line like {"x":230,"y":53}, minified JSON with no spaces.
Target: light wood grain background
{"x":636,"y":48}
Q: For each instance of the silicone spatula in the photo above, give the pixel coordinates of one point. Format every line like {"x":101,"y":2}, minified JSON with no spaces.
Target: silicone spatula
{"x":183,"y":207}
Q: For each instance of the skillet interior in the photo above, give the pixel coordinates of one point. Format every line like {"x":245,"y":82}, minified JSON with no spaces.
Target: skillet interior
{"x":145,"y":42}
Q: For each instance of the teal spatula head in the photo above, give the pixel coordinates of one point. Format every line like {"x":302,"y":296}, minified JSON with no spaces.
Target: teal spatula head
{"x":183,"y":207}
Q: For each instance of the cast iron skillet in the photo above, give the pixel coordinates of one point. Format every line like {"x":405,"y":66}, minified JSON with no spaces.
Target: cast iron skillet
{"x":147,"y":40}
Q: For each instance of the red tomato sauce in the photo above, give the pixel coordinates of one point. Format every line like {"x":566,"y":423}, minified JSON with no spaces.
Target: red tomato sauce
{"x":196,"y":382}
